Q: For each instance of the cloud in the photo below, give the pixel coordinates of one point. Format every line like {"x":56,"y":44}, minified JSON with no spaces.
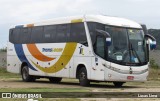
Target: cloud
{"x":14,"y":12}
{"x":32,"y":10}
{"x":25,"y":11}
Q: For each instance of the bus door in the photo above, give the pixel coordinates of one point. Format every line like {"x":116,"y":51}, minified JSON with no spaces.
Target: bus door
{"x":97,"y":71}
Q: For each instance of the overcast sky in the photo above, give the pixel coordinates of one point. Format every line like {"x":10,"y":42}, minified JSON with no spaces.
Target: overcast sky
{"x":15,"y":12}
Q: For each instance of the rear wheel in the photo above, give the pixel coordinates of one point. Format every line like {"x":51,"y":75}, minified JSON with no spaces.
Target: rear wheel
{"x":25,"y":75}
{"x":55,"y":79}
{"x":83,"y":77}
{"x":118,"y":84}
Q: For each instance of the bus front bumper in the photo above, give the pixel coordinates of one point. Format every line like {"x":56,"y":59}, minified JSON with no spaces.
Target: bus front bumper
{"x":111,"y":75}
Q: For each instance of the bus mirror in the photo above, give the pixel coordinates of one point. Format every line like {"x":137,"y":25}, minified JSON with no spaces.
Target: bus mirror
{"x":107,"y":35}
{"x":152,"y":44}
{"x":108,"y":41}
{"x":151,"y":41}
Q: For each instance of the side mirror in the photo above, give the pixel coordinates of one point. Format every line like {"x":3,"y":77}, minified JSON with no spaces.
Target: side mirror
{"x":107,"y":35}
{"x":108,"y":41}
{"x":151,"y":41}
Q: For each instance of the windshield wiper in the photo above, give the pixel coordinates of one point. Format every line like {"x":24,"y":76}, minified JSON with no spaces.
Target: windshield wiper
{"x":134,"y":51}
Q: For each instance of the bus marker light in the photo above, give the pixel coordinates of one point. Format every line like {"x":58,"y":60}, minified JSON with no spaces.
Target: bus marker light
{"x":76,"y":20}
{"x":19,"y":26}
{"x":30,"y":25}
{"x":130,"y":77}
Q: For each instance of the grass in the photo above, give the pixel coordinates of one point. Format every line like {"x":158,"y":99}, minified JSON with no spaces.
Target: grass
{"x":154,"y":74}
{"x":43,"y":90}
{"x":5,"y":74}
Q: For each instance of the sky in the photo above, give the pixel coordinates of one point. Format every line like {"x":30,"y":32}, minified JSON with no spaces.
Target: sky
{"x":16,"y":12}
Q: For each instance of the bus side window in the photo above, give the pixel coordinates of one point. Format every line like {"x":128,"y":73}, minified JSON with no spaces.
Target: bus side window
{"x":37,"y":35}
{"x":11,"y":35}
{"x":25,"y":35}
{"x":78,"y":33}
{"x":92,"y":28}
{"x":100,"y":46}
{"x":61,"y":35}
{"x":49,"y":35}
{"x":15,"y":35}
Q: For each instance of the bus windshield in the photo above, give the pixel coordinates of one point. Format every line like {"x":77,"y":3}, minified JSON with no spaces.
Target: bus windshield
{"x":128,"y":45}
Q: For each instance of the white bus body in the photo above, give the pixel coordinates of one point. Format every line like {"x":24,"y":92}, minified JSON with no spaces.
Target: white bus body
{"x":64,"y":56}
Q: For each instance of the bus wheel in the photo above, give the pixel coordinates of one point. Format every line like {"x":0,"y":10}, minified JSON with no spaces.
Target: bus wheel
{"x":25,"y":75}
{"x":118,"y":84}
{"x":55,"y":79}
{"x":83,"y":77}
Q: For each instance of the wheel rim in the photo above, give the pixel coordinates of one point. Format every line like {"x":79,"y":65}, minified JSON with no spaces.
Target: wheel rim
{"x":25,"y":74}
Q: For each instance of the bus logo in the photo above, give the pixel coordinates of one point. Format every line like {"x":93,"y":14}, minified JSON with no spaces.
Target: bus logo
{"x":52,"y":49}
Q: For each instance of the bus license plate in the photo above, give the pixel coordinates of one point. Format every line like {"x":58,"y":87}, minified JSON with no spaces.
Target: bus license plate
{"x":130,"y":77}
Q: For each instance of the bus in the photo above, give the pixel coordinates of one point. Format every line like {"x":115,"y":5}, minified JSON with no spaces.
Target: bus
{"x":89,"y":48}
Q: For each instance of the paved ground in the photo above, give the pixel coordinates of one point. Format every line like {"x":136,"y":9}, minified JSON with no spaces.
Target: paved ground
{"x":148,"y":86}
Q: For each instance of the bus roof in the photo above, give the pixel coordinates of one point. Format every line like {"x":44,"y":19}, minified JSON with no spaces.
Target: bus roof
{"x":108,"y":20}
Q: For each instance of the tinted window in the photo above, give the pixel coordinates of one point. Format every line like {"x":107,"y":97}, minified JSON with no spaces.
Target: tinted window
{"x":92,"y":26}
{"x":11,"y":35}
{"x":92,"y":31}
{"x":15,"y":35}
{"x":118,"y":50}
{"x":25,"y":35}
{"x":49,"y":34}
{"x":37,"y":35}
{"x":61,"y":33}
{"x":100,"y":47}
{"x":78,"y":33}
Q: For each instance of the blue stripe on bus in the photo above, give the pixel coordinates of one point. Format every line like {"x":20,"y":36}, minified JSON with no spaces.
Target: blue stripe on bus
{"x":21,"y":55}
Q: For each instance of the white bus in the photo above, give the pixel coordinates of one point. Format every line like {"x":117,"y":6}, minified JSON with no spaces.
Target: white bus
{"x":89,"y":48}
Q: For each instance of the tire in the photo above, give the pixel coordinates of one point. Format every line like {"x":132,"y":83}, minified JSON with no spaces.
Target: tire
{"x":82,"y":75}
{"x":55,"y":79}
{"x":118,"y":84}
{"x":25,"y":75}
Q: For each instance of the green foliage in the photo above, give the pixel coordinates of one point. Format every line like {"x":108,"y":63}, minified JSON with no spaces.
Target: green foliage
{"x":3,"y":49}
{"x":3,"y":70}
{"x":43,"y":89}
{"x":5,"y":74}
{"x":154,"y":74}
{"x":153,"y":64}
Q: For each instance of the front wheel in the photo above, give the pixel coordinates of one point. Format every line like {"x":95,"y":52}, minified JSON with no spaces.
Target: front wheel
{"x":118,"y":84}
{"x":83,"y":77}
{"x":25,"y":75}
